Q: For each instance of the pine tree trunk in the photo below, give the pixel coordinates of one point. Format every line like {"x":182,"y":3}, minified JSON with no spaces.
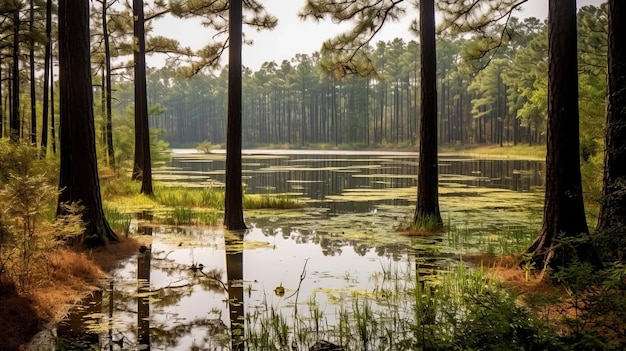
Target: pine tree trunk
{"x":53,"y":133}
{"x":142,"y":169}
{"x":2,"y":124}
{"x":564,"y":214}
{"x":612,"y":218}
{"x":15,"y":79}
{"x":78,"y":178}
{"x":108,"y":88}
{"x":233,"y":206}
{"x":427,"y":187}
{"x":46,"y":80}
{"x":31,"y":60}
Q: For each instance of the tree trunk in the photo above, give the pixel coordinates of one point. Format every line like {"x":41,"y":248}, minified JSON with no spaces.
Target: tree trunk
{"x":564,"y":214}
{"x":612,"y":216}
{"x":31,"y":58}
{"x":233,"y":206}
{"x":108,"y":88}
{"x":52,"y":119}
{"x":46,"y":79}
{"x":142,"y":169}
{"x":427,"y":210}
{"x":78,"y":180}
{"x":15,"y":89}
{"x":2,"y":124}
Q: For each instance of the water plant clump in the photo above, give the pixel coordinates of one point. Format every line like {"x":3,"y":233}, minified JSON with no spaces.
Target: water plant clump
{"x":461,"y":310}
{"x":119,"y":221}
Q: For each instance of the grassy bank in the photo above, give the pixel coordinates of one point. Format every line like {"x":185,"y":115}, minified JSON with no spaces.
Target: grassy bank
{"x":525,"y":151}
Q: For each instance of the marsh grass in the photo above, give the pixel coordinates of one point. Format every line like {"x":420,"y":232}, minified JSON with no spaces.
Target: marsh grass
{"x":508,"y":151}
{"x":118,"y":221}
{"x":189,"y":216}
{"x":499,"y":241}
{"x":179,"y":205}
{"x":214,"y":198}
{"x":456,"y":311}
{"x":279,"y":201}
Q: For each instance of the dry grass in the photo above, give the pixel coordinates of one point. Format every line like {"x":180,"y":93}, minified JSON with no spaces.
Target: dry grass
{"x":550,"y":301}
{"x":68,"y":277}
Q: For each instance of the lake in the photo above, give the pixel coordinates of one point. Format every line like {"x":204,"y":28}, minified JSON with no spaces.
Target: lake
{"x":199,"y":288}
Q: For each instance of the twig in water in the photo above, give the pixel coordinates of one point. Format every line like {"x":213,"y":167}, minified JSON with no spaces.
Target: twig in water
{"x":297,"y":292}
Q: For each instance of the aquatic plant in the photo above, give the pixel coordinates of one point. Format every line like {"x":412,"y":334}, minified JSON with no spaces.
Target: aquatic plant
{"x":461,"y":310}
{"x":279,"y":201}
{"x":118,"y":221}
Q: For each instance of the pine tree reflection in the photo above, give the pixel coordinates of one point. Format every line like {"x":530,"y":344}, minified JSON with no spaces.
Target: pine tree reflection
{"x":72,"y":332}
{"x":233,"y":242}
{"x":143,"y":298}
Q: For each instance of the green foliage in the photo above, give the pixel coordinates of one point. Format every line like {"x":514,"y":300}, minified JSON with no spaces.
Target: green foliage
{"x":460,"y":310}
{"x":206,"y":147}
{"x":279,"y":201}
{"x":27,"y":232}
{"x":117,"y":220}
{"x":189,"y":197}
{"x":214,"y":198}
{"x":124,"y":142}
{"x":598,"y":302}
{"x":429,"y":223}
{"x":528,"y":265}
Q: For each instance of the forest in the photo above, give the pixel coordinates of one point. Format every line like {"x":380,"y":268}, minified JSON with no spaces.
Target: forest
{"x":89,"y":135}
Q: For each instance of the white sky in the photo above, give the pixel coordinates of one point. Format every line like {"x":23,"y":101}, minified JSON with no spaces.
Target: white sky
{"x":293,"y":36}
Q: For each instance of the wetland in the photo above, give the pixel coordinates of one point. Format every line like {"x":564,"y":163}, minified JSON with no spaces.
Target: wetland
{"x":336,"y":272}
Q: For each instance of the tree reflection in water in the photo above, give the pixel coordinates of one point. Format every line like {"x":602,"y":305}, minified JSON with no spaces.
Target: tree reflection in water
{"x":349,"y":242}
{"x":233,"y":242}
{"x":143,"y":297}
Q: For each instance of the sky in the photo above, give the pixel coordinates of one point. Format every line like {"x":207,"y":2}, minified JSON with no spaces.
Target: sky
{"x":293,"y":36}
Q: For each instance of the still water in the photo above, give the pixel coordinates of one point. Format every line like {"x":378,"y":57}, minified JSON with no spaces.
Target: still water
{"x":195,"y":288}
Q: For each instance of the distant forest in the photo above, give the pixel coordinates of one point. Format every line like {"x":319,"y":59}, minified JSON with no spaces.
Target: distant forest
{"x":499,"y":97}
{"x":306,"y":101}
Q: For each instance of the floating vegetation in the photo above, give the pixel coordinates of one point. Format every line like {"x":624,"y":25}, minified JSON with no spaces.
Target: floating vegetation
{"x":366,"y":286}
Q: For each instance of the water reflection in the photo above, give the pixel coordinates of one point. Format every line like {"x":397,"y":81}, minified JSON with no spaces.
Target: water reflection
{"x":75,"y":332}
{"x":183,"y":300}
{"x":233,"y":246}
{"x":195,"y":288}
{"x":143,"y":297}
{"x":323,"y":176}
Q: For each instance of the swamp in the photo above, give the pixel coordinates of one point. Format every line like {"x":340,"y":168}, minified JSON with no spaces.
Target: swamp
{"x":336,"y":272}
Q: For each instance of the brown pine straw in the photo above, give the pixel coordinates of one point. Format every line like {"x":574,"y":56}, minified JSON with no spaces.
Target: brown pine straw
{"x":508,"y":272}
{"x":66,"y":278}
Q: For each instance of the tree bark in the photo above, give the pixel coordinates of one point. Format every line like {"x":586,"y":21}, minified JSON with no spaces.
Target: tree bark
{"x":564,"y":213}
{"x":142,"y":169}
{"x":108,"y":89}
{"x":78,"y":181}
{"x":612,"y":216}
{"x":427,"y":186}
{"x":53,"y":133}
{"x":31,"y":58}
{"x":46,"y":80}
{"x":15,"y":125}
{"x":2,"y":124}
{"x":233,"y":206}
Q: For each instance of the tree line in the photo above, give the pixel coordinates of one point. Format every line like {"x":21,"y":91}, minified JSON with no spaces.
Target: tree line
{"x":306,"y":101}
